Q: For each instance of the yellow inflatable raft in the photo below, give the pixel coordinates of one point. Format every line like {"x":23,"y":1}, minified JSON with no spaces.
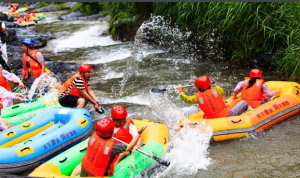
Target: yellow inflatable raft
{"x":279,"y":108}
{"x":26,"y":24}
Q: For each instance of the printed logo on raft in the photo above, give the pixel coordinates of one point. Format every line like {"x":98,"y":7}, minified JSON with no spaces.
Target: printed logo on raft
{"x":272,"y":109}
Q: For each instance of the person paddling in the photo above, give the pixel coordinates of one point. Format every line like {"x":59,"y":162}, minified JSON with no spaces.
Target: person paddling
{"x":102,"y":150}
{"x":210,"y":101}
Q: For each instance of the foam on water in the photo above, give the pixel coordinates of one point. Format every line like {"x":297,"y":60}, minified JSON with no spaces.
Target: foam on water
{"x":188,"y":148}
{"x":100,"y":56}
{"x":112,"y":75}
{"x":89,"y":37}
{"x":139,"y":99}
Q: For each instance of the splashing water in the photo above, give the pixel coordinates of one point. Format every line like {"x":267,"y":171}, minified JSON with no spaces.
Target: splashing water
{"x":161,"y":33}
{"x":45,"y":85}
{"x":188,"y":152}
{"x":136,"y":55}
{"x":188,"y":148}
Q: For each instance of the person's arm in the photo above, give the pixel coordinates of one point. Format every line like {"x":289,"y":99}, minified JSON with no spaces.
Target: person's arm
{"x":237,"y":89}
{"x":135,"y":139}
{"x":133,"y":132}
{"x":88,"y":97}
{"x":23,"y":74}
{"x":43,"y":67}
{"x":41,"y":60}
{"x":267,"y":92}
{"x":188,"y":99}
{"x":12,"y":77}
{"x":92,"y":95}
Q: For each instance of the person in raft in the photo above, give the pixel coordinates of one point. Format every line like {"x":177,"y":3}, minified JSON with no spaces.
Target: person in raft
{"x":27,"y":17}
{"x":102,"y":150}
{"x":4,"y":94}
{"x":210,"y":100}
{"x":33,"y":62}
{"x":124,"y":130}
{"x":253,"y":88}
{"x":6,"y":76}
{"x":75,"y":92}
{"x":20,"y":20}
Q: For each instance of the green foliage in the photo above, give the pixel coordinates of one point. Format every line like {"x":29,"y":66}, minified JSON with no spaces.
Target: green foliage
{"x":43,"y":4}
{"x":243,"y":29}
{"x":76,"y":7}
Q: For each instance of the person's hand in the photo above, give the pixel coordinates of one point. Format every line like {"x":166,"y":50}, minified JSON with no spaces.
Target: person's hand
{"x":19,"y":95}
{"x":142,"y":130}
{"x":277,"y":91}
{"x":21,"y":84}
{"x":234,"y":97}
{"x":19,"y":98}
{"x":96,"y":107}
{"x":180,"y":89}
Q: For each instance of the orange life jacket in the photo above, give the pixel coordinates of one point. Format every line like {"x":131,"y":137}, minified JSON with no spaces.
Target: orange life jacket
{"x":3,"y":81}
{"x":212,"y":104}
{"x":252,"y":95}
{"x":14,"y":9}
{"x":97,"y":156}
{"x":28,"y":18}
{"x":73,"y":91}
{"x":20,"y":20}
{"x":34,"y":65}
{"x":33,"y":14}
{"x":123,"y":133}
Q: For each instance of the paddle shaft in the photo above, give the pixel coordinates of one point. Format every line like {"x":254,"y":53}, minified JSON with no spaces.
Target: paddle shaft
{"x":163,"y":162}
{"x":156,"y":90}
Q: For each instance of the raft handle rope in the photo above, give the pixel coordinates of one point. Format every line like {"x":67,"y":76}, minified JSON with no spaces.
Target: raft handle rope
{"x":61,"y":161}
{"x":83,"y":149}
{"x":160,"y":161}
{"x":236,"y":121}
{"x":25,"y":149}
{"x":11,"y":132}
{"x":26,"y":125}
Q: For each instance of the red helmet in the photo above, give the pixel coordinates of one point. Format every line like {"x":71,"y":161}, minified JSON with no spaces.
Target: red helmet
{"x":105,"y":127}
{"x":85,"y":68}
{"x":19,"y":16}
{"x":28,"y":12}
{"x":118,"y":112}
{"x":33,"y":11}
{"x":255,"y":73}
{"x":202,"y":82}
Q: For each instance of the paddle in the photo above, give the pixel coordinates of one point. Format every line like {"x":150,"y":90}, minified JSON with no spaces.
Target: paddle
{"x":20,"y":90}
{"x":156,"y":90}
{"x":160,"y":161}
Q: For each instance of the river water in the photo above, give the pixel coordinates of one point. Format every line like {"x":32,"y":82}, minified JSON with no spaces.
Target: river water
{"x":124,"y":73}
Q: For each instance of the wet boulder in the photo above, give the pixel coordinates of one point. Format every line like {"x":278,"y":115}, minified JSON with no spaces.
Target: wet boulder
{"x":71,"y":16}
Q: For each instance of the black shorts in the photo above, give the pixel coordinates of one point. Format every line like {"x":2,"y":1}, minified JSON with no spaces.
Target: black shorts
{"x":69,"y":101}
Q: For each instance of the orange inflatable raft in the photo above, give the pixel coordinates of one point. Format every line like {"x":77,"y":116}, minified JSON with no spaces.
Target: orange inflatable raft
{"x":279,"y":108}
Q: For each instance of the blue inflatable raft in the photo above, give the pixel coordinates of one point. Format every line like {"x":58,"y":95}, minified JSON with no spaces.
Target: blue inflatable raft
{"x":31,"y":143}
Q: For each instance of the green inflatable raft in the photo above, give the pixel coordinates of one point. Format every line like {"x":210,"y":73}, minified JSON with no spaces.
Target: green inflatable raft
{"x":155,"y":144}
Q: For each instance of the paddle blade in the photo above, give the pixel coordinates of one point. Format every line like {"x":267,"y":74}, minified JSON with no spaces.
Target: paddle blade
{"x":161,"y":161}
{"x":156,"y":90}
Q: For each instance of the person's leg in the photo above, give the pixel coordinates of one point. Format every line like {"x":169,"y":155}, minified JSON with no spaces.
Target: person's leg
{"x":80,"y":103}
{"x":69,"y":101}
{"x":76,"y":171}
{"x":239,"y":108}
{"x":121,"y":156}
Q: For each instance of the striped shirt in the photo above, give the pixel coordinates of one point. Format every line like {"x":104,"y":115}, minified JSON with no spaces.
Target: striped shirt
{"x":78,"y":82}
